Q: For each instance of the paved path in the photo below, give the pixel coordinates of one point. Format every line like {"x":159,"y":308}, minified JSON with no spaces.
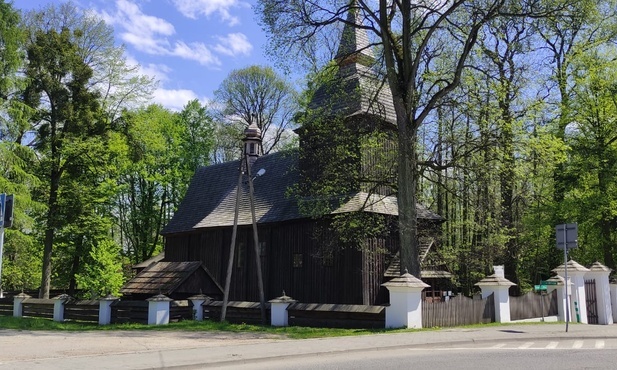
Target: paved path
{"x":168,"y":349}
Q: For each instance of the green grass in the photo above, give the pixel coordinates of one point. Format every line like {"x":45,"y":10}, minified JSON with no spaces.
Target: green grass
{"x":292,"y":332}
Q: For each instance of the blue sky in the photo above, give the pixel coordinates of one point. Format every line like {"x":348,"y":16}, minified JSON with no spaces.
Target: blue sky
{"x":189,"y":46}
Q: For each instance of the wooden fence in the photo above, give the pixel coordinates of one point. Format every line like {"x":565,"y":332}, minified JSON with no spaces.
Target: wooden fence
{"x":123,"y":312}
{"x":6,"y":306}
{"x":180,"y":310}
{"x":38,"y":307}
{"x":533,"y":305}
{"x":86,"y":311}
{"x":337,"y":315}
{"x":458,"y":311}
{"x":237,"y":312}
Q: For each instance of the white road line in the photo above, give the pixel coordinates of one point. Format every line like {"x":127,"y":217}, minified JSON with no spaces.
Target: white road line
{"x":525,"y":345}
{"x":552,"y":345}
{"x":599,"y":344}
{"x":500,"y":345}
{"x":577,"y":344}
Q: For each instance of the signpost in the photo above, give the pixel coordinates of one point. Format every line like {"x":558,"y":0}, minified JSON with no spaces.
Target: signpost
{"x":566,"y":236}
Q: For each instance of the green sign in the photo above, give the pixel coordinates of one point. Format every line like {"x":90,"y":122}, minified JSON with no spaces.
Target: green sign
{"x":548,"y":282}
{"x":539,"y":287}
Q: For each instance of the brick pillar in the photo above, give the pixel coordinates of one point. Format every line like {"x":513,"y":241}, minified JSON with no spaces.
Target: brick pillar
{"x":405,"y":309}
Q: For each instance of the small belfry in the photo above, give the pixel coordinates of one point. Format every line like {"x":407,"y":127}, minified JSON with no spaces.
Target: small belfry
{"x":252,"y":143}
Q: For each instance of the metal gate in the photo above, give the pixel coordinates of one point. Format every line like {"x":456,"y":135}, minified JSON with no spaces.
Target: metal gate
{"x":592,"y":302}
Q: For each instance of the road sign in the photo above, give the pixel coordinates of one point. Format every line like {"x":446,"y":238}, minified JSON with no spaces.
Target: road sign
{"x":548,"y":282}
{"x":2,"y":198}
{"x":539,"y":287}
{"x":566,"y":236}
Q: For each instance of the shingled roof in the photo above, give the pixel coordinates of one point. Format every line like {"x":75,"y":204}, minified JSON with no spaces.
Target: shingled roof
{"x":211,"y":196}
{"x":357,"y":88}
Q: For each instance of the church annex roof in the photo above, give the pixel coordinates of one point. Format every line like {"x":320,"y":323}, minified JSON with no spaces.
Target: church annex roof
{"x":211,"y":196}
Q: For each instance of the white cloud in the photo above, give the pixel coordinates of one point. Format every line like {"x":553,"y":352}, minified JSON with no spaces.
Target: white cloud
{"x":175,"y":99}
{"x":234,"y":44}
{"x":145,"y":32}
{"x":194,"y":8}
{"x":195,"y":51}
{"x":158,"y":71}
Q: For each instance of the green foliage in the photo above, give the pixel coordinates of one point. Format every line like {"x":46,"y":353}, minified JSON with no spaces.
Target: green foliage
{"x":102,"y":274}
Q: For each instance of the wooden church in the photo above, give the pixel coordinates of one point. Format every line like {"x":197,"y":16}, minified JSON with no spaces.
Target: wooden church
{"x":290,"y":245}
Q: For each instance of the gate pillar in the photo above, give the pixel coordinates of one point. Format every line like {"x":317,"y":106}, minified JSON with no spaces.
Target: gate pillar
{"x":500,"y":286}
{"x":405,"y":309}
{"x":576,"y":272}
{"x":614,"y":299}
{"x":600,"y":273}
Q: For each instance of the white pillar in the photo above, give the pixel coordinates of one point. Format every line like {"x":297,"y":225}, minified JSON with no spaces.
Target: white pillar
{"x":278,"y":310}
{"x":576,"y":272}
{"x":198,"y":310}
{"x":561,"y":296}
{"x":405,"y":309}
{"x":158,"y":310}
{"x":105,"y":309}
{"x":599,"y":273}
{"x":18,"y":304}
{"x":59,"y":302}
{"x":499,"y":286}
{"x":613,"y":289}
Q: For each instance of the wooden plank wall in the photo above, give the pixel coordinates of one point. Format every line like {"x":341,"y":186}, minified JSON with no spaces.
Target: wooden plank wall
{"x":180,"y":311}
{"x":458,"y":311}
{"x":6,"y":306}
{"x":237,"y":312}
{"x":532,"y":305}
{"x":38,"y":307}
{"x":337,"y":316}
{"x":87,"y":311}
{"x":129,"y":311}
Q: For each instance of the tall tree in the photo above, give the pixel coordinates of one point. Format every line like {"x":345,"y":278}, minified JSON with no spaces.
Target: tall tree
{"x":258,"y":95}
{"x":67,"y":115}
{"x":410,"y":35}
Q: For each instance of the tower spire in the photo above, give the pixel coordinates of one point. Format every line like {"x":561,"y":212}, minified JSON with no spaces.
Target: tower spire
{"x":355,"y":45}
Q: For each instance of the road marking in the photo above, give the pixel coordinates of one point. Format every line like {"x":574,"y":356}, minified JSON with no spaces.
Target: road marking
{"x":577,"y":344}
{"x":525,"y":345}
{"x":599,"y":344}
{"x":500,"y":345}
{"x":552,"y":345}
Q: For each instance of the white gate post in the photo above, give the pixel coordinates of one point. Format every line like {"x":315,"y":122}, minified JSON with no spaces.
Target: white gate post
{"x":576,"y":272}
{"x":405,"y":309}
{"x":499,"y":286}
{"x":278,"y":310}
{"x":18,"y":304}
{"x":158,"y":310}
{"x":600,"y":273}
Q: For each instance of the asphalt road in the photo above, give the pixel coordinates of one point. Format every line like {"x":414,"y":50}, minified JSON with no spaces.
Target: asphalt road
{"x":545,"y":346}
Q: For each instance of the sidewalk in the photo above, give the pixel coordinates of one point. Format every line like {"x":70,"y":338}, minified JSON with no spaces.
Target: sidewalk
{"x":156,"y":349}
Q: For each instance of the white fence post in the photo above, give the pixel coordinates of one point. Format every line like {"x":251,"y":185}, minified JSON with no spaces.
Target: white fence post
{"x":18,"y":304}
{"x":560,"y":287}
{"x":59,"y":302}
{"x":405,"y":309}
{"x":198,"y":310}
{"x":499,"y":286}
{"x":614,"y":298}
{"x":105,"y":309}
{"x":278,"y":310}
{"x":158,"y":310}
{"x":600,"y":273}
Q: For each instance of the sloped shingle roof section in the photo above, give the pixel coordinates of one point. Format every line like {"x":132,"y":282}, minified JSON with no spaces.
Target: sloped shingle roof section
{"x":211,"y":196}
{"x":160,"y":278}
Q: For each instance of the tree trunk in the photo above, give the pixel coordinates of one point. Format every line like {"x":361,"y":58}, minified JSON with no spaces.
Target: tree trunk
{"x":50,"y":233}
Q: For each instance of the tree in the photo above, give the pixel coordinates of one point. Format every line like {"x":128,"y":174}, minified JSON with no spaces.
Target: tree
{"x":410,"y":35}
{"x":257,"y":94}
{"x":67,"y":116}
